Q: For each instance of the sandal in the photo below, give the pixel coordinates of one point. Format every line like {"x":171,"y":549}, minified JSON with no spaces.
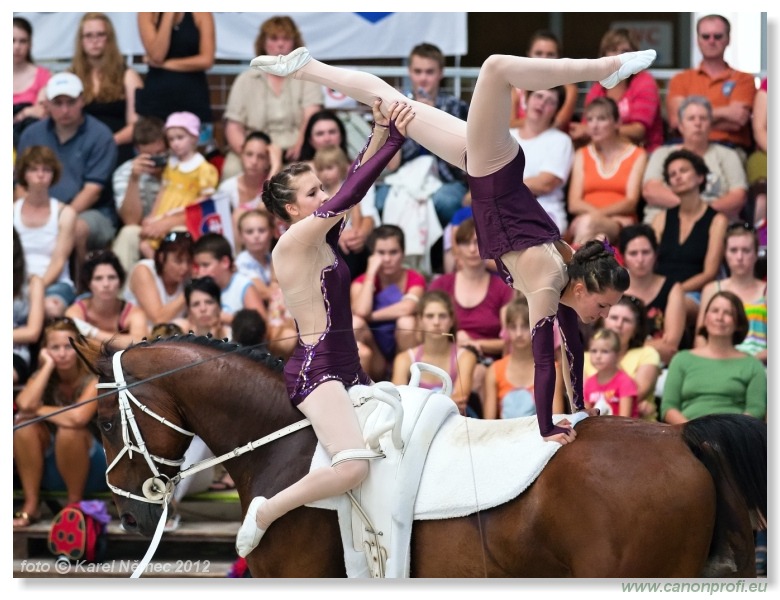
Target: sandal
{"x":223,"y":484}
{"x":25,"y":518}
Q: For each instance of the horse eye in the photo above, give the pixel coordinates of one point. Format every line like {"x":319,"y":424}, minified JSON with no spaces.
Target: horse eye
{"x":106,"y":426}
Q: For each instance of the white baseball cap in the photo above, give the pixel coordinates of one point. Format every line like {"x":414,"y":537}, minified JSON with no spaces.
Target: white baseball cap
{"x":64,"y":84}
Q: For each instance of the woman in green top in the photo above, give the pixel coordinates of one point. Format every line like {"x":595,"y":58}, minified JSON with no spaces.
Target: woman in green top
{"x":716,"y":377}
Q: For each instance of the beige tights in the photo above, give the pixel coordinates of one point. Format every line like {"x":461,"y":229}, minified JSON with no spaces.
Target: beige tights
{"x":486,"y":136}
{"x":335,"y":422}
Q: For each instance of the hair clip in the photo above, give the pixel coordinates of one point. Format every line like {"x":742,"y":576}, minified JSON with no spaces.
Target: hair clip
{"x":608,"y":247}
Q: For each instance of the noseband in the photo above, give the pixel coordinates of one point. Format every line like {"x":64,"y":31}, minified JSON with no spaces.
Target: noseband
{"x":158,"y":488}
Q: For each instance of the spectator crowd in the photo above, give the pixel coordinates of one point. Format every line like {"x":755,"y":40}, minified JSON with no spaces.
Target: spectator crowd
{"x":107,"y":162}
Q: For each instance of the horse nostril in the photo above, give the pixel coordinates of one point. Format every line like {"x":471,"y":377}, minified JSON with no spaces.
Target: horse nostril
{"x":129,"y":523}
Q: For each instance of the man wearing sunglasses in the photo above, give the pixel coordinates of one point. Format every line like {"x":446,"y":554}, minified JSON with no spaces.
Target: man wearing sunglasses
{"x":730,"y":92}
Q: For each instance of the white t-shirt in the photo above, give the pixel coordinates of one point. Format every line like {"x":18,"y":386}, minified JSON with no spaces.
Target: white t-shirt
{"x":551,"y":152}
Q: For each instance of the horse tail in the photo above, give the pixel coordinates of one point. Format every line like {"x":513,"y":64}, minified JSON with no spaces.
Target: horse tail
{"x":733,"y":449}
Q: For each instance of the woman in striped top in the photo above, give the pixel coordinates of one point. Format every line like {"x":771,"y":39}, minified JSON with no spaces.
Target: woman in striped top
{"x":741,"y":256}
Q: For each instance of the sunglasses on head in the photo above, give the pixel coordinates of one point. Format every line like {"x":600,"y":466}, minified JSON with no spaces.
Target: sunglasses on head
{"x":93,"y":254}
{"x":175,"y":236}
{"x":707,"y":36}
{"x":740,"y":225}
{"x":633,"y":300}
{"x":60,"y":321}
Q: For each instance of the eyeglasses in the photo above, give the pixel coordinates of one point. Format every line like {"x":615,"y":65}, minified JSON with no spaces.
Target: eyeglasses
{"x":744,"y":226}
{"x":94,"y":35}
{"x":175,"y":236}
{"x":706,"y":36}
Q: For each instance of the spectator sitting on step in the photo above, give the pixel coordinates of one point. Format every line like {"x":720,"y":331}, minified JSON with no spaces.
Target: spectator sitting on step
{"x":136,"y":185}
{"x":64,"y":450}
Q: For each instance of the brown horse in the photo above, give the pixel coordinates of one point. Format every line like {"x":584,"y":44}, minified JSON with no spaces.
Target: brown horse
{"x":627,"y":499}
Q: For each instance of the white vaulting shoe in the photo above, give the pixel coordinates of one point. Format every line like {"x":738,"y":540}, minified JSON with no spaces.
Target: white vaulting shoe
{"x":630,"y":64}
{"x":282,"y":65}
{"x":249,"y":535}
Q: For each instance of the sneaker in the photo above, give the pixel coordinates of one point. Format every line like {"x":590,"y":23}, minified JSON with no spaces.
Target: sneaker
{"x":630,"y":64}
{"x":282,"y":65}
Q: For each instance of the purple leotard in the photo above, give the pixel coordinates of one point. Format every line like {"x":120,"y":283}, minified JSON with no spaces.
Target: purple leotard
{"x":508,"y":218}
{"x":334,"y":356}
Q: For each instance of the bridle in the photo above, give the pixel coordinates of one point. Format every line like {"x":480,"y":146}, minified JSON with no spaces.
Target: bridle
{"x":158,"y":489}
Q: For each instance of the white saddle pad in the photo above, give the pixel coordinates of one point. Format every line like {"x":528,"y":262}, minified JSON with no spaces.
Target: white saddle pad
{"x":470,"y":465}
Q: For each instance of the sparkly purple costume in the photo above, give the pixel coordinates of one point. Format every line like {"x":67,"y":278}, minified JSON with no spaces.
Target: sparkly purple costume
{"x":508,"y":218}
{"x":334,"y":356}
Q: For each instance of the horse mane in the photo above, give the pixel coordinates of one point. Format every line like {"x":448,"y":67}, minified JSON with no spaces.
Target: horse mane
{"x":254,"y":353}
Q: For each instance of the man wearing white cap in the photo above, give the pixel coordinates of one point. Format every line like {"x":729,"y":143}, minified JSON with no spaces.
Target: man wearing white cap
{"x":87,"y":151}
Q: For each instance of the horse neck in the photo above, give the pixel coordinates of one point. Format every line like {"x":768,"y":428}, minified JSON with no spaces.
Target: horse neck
{"x":228,"y":401}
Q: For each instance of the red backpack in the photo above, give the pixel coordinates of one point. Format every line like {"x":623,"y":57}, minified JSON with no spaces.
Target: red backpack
{"x":76,"y":535}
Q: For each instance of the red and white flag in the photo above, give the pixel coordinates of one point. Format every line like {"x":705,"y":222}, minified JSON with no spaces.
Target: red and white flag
{"x":211,"y":215}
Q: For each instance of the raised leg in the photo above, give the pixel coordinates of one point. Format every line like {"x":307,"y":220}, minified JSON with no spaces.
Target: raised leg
{"x":489,"y":145}
{"x":440,"y":132}
{"x":443,"y":134}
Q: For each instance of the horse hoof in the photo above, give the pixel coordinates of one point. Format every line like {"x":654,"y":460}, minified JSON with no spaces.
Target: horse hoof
{"x":249,"y":535}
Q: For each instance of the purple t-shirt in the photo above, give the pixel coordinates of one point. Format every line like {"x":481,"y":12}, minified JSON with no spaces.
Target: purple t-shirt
{"x":482,"y":321}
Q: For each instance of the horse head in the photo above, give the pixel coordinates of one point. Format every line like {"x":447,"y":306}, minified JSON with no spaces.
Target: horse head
{"x":157,"y":395}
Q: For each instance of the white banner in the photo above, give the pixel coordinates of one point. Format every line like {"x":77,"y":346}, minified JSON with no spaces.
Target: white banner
{"x":329,"y":36}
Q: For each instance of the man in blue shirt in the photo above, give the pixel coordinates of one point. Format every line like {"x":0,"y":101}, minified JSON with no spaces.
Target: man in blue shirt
{"x":88,"y":154}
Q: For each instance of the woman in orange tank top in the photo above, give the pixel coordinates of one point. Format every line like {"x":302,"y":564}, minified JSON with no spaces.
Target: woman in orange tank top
{"x":606,"y":178}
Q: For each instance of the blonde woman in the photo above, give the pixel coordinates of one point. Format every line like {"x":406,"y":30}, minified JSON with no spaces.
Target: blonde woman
{"x":436,"y":319}
{"x":109,"y":84}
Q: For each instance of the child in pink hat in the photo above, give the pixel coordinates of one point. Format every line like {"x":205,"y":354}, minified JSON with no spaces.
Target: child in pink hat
{"x":187,"y":179}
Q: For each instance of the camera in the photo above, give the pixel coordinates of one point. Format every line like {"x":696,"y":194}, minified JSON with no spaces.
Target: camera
{"x":159,"y":160}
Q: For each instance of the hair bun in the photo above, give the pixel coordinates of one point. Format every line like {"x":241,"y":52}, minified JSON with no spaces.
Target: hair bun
{"x":591,"y":250}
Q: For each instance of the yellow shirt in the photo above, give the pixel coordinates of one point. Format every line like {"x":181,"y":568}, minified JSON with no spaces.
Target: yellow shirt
{"x":185,"y":182}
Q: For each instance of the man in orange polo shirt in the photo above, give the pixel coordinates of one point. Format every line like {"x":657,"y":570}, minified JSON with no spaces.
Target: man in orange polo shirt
{"x":729,"y":91}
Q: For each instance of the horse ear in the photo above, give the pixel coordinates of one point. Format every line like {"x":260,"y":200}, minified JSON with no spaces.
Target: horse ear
{"x":88,"y":351}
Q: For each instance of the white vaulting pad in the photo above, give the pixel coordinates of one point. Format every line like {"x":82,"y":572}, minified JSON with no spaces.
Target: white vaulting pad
{"x":450,"y":466}
{"x":476,"y":464}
